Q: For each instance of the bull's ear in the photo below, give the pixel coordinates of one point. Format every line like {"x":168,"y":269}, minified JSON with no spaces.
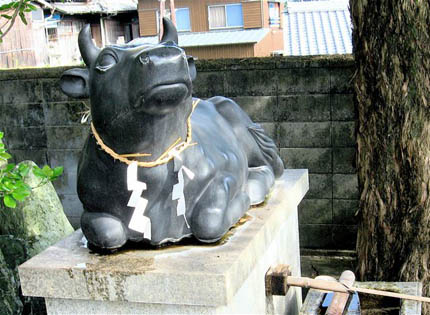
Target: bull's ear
{"x":75,"y":83}
{"x":192,"y":67}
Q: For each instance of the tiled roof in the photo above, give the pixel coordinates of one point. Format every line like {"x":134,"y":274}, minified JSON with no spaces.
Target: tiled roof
{"x":212,"y":38}
{"x":95,"y":6}
{"x":317,"y":28}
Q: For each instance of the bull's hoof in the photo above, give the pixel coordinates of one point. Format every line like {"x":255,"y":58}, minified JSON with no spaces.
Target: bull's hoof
{"x":210,"y":224}
{"x":103,"y":230}
{"x":260,"y":180}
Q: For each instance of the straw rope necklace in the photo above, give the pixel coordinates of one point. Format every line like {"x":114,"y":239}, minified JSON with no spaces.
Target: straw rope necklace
{"x":176,"y":148}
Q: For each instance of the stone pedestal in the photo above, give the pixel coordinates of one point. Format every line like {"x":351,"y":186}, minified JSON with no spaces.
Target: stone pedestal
{"x":194,"y":279}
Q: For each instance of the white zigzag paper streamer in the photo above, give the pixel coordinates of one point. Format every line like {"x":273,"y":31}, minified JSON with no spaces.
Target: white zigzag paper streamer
{"x":178,"y":189}
{"x":138,"y":222}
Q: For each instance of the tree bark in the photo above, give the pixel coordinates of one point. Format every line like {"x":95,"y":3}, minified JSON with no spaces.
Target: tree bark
{"x":391,"y":40}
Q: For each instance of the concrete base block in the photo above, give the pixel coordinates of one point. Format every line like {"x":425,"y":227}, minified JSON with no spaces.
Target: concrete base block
{"x":224,"y":278}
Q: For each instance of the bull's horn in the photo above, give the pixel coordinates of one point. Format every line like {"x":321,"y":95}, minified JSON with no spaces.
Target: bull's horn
{"x":89,"y":51}
{"x":170,"y":33}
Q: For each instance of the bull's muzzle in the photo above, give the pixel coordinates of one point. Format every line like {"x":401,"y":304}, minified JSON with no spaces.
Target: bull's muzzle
{"x":162,"y":73}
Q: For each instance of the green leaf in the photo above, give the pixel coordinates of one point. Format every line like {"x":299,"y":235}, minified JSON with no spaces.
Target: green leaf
{"x":14,"y":175}
{"x":20,"y":194}
{"x":6,"y":6}
{"x":31,"y":7}
{"x":9,"y":185}
{"x":6,"y":16}
{"x":9,"y":167}
{"x":9,"y":201}
{"x":47,"y":171}
{"x":1,"y":132}
{"x":22,"y":186}
{"x":1,"y":145}
{"x":22,"y":16}
{"x":58,"y":171}
{"x":5,"y":156}
{"x":38,"y":172}
{"x":23,"y":169}
{"x":3,"y":187}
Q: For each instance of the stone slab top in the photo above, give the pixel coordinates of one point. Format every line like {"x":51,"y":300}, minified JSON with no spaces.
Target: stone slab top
{"x":191,"y":274}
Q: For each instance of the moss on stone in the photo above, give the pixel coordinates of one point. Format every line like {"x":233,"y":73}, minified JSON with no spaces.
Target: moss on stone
{"x":39,"y":219}
{"x":266,"y":63}
{"x":34,"y":73}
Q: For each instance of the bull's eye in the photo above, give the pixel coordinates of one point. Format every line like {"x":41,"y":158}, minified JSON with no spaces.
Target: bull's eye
{"x":106,"y":62}
{"x":144,"y":59}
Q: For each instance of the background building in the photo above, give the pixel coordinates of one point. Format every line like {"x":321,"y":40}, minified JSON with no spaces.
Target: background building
{"x":51,"y":35}
{"x":211,"y":29}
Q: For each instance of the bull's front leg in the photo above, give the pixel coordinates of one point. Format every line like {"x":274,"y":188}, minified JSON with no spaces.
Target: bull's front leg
{"x":220,"y":207}
{"x":103,"y":230}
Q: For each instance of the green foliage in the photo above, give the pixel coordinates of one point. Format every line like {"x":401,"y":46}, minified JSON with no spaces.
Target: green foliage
{"x":10,"y":11}
{"x":12,"y":185}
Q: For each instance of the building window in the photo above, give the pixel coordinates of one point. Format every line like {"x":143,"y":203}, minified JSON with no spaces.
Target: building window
{"x":52,"y":34}
{"x":37,"y":15}
{"x":182,"y":19}
{"x":225,"y":16}
{"x":274,"y":15}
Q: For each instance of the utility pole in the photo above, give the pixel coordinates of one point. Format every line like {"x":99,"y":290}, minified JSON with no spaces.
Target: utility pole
{"x":172,"y":11}
{"x":161,"y":15}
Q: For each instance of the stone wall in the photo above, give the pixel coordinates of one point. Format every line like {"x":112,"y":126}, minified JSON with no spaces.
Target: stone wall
{"x":305,"y":104}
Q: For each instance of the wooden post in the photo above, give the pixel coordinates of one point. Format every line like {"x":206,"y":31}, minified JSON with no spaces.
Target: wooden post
{"x":339,"y":301}
{"x":276,"y":280}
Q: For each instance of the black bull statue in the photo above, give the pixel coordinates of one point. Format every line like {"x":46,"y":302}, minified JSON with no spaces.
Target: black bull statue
{"x":160,"y":165}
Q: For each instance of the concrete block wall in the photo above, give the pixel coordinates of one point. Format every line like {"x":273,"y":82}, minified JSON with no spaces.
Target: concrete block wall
{"x":305,"y":104}
{"x":42,"y":124}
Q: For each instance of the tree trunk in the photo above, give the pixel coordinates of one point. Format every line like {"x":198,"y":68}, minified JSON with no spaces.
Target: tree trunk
{"x":392,"y":84}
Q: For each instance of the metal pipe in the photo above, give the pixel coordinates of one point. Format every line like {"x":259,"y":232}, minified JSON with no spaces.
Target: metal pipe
{"x":262,"y":13}
{"x":160,"y":22}
{"x":102,"y":31}
{"x":172,"y":11}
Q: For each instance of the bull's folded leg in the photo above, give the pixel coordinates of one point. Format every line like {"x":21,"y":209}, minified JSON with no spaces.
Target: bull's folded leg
{"x":260,"y":181}
{"x":219,"y":208}
{"x":103,"y":230}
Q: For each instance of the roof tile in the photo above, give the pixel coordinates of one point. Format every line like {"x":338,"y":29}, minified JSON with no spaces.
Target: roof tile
{"x":317,"y":28}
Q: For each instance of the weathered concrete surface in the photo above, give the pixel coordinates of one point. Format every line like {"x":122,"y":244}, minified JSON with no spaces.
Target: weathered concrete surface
{"x":39,"y":219}
{"x":179,"y":279}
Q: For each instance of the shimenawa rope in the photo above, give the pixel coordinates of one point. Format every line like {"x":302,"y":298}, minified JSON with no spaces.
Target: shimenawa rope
{"x":164,"y":158}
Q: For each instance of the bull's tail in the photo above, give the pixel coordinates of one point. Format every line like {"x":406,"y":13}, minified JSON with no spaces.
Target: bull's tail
{"x":268,"y":148}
